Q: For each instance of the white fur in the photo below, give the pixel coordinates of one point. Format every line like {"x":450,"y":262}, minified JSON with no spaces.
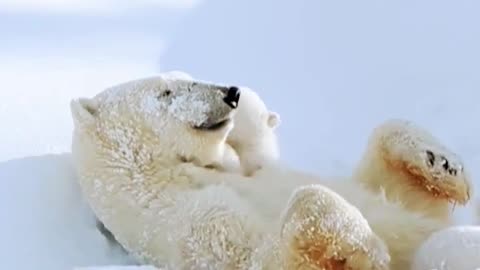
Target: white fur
{"x":454,"y":248}
{"x":413,"y":167}
{"x":176,"y":75}
{"x":253,"y":135}
{"x":150,"y":177}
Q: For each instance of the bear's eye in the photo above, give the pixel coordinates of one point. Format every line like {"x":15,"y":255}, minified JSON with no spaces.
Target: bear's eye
{"x":165,"y":93}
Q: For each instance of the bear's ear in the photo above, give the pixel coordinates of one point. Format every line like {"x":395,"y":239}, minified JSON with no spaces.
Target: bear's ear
{"x":83,"y":111}
{"x":273,"y":120}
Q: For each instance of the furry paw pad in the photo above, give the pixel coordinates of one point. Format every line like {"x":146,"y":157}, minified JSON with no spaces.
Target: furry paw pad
{"x":321,"y":230}
{"x":425,"y":161}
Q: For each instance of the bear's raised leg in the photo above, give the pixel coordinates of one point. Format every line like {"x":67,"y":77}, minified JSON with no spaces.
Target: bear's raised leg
{"x":410,"y":165}
{"x":321,"y":230}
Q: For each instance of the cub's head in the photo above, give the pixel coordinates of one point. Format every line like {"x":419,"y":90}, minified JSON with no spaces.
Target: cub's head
{"x":169,"y":119}
{"x":253,"y":120}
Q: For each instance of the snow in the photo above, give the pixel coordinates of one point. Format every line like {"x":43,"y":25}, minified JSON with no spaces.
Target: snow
{"x":447,"y":249}
{"x":45,"y":221}
{"x":332,"y":69}
{"x":190,"y":108}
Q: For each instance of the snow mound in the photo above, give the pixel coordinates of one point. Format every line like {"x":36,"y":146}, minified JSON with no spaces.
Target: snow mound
{"x":46,"y":222}
{"x":448,"y":248}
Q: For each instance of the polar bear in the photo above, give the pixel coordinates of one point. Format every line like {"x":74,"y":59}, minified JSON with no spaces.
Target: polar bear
{"x":454,"y":248}
{"x":253,"y":136}
{"x":144,"y":151}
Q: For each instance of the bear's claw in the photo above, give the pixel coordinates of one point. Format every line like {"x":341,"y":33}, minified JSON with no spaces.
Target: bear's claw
{"x":451,"y":169}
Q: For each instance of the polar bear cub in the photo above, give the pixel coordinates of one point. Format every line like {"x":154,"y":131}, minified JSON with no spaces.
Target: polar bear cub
{"x":253,"y":136}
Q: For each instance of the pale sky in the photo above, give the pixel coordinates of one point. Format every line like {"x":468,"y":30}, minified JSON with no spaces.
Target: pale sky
{"x":90,"y":7}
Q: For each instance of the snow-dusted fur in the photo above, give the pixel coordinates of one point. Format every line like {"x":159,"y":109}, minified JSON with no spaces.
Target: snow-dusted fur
{"x":411,"y":166}
{"x":253,"y":142}
{"x":253,"y":136}
{"x":147,"y":154}
{"x":454,"y":248}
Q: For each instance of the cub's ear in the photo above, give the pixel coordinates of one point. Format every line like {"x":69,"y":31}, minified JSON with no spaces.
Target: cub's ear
{"x":273,"y":120}
{"x":83,"y":111}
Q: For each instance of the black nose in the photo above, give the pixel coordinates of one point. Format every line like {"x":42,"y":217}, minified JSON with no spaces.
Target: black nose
{"x":232,"y":97}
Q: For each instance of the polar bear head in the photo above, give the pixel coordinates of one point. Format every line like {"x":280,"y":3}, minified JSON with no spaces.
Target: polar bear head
{"x":166,"y":118}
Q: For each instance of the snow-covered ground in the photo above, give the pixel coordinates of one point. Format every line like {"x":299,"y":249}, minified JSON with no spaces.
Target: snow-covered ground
{"x":332,"y":71}
{"x":45,"y":223}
